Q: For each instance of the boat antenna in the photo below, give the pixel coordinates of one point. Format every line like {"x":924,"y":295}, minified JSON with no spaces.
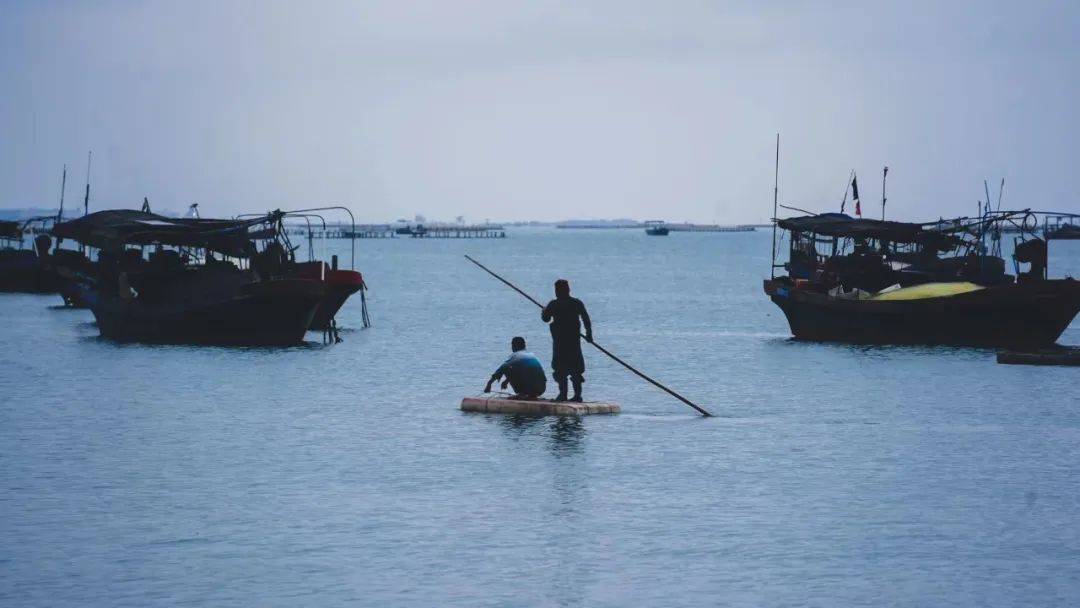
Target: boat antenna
{"x":1001,"y":190}
{"x":884,"y":172}
{"x":86,"y":197}
{"x":701,"y":410}
{"x":847,"y":188}
{"x":775,"y":200}
{"x":63,"y":186}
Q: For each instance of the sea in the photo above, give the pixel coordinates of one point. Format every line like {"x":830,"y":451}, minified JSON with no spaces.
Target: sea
{"x":346,"y":475}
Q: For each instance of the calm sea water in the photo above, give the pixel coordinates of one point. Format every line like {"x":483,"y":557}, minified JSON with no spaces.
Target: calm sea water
{"x":330,"y":475}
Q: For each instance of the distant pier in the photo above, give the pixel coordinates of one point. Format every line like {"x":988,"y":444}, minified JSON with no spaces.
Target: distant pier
{"x":458,"y":232}
{"x":363,"y":231}
{"x":709,"y":228}
{"x":676,"y":227}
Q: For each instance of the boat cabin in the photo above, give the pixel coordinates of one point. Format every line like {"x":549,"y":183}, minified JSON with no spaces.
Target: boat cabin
{"x":832,"y":249}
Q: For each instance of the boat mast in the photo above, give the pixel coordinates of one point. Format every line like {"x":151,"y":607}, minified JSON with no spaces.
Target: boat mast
{"x":63,"y":186}
{"x":86,"y":197}
{"x":775,"y":200}
{"x":997,"y":231}
{"x":986,"y":218}
{"x":884,"y":172}
{"x":847,"y":188}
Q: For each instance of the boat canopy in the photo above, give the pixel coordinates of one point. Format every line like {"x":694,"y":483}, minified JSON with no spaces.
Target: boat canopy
{"x":115,"y":228}
{"x":843,"y":225}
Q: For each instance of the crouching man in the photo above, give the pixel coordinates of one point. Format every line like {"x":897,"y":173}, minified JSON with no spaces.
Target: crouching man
{"x":522,"y":371}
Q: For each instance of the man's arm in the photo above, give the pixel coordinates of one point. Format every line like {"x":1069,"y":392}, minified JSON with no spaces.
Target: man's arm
{"x":545,"y":315}
{"x":585,"y":320}
{"x":504,"y":369}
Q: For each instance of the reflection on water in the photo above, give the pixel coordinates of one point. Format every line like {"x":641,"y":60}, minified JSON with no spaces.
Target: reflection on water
{"x":565,"y":434}
{"x":886,"y":351}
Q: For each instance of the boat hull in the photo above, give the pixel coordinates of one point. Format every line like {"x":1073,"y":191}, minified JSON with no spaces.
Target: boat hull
{"x":1030,"y":315}
{"x":270,"y":313}
{"x":23,"y":272}
{"x":73,"y":292}
{"x":330,"y":305}
{"x":340,"y":284}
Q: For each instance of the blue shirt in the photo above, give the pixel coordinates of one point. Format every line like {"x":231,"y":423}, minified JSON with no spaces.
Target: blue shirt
{"x":525,"y":372}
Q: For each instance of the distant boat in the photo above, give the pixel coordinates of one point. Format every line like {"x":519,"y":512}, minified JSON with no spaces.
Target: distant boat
{"x":1062,"y":227}
{"x":656,"y":228}
{"x":407,"y":230}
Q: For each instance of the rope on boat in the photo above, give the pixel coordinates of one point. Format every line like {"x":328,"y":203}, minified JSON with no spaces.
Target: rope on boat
{"x":331,"y":334}
{"x":363,"y":305}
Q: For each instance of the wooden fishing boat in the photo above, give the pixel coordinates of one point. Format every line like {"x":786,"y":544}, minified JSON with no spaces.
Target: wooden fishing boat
{"x":874,"y":282}
{"x":206,"y":282}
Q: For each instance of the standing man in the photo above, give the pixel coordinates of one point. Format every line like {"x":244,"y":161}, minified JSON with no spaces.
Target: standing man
{"x":566,"y":316}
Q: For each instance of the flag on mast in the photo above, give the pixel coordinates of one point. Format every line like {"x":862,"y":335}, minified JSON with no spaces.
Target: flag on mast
{"x":855,"y":195}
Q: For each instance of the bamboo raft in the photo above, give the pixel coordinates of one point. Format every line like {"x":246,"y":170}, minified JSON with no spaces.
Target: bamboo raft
{"x":503,"y":404}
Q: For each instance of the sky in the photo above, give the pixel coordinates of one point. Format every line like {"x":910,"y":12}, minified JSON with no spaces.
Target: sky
{"x":540,"y":110}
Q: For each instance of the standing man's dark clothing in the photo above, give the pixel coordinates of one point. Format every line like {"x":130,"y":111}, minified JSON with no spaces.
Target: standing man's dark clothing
{"x":566,"y":315}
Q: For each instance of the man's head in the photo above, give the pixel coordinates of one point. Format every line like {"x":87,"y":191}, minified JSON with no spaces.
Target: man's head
{"x":562,"y":288}
{"x":518,"y":343}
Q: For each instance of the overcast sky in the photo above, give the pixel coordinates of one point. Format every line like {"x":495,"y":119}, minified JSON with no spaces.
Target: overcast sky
{"x":540,"y":110}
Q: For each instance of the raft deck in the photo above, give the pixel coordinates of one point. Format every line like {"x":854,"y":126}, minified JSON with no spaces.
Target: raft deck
{"x":1050,"y":356}
{"x":501,"y":404}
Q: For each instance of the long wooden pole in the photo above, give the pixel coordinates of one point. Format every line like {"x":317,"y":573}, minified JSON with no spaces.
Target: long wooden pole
{"x":701,"y":410}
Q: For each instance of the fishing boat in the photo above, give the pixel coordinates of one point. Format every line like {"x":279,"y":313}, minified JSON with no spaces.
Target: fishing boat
{"x":1062,"y":226}
{"x":656,"y":228}
{"x":22,"y":269}
{"x":205,"y":281}
{"x":882,"y":282}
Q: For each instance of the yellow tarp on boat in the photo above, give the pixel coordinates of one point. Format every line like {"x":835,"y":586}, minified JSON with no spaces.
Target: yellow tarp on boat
{"x":928,"y":290}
